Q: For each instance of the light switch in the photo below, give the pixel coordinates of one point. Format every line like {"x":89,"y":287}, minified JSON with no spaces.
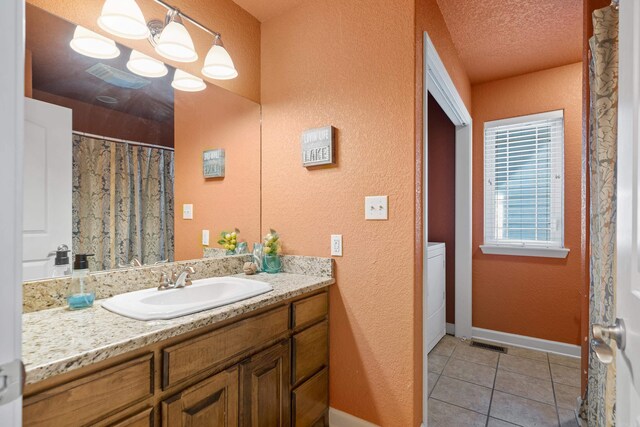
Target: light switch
{"x":205,"y":237}
{"x":336,"y":245}
{"x":376,"y":208}
{"x":187,"y":211}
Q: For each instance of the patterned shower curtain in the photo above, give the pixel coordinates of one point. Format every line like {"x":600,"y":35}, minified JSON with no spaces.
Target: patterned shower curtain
{"x":599,"y":407}
{"x":122,"y":202}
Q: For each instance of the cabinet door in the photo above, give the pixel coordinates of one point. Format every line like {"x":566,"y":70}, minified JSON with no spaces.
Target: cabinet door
{"x":210,"y":403}
{"x":265,"y":390}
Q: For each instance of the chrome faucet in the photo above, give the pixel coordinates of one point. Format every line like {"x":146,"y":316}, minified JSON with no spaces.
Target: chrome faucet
{"x":176,"y":281}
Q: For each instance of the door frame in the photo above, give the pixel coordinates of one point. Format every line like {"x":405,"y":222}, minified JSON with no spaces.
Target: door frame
{"x":12,"y":124}
{"x":438,"y":83}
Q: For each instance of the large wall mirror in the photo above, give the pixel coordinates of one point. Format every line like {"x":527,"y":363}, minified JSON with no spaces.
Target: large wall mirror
{"x":115,"y":150}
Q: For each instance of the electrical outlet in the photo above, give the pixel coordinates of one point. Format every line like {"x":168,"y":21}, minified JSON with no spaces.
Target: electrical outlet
{"x":336,"y":245}
{"x":187,"y":211}
{"x":376,"y":208}
{"x":205,"y":237}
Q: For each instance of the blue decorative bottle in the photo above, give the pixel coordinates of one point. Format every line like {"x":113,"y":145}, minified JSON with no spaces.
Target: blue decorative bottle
{"x":81,"y":293}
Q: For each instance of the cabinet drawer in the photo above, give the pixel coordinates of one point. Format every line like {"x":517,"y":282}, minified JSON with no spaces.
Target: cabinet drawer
{"x":310,"y":351}
{"x":90,"y":398}
{"x":142,"y":418}
{"x":309,"y":310}
{"x":191,"y":357}
{"x":311,"y":400}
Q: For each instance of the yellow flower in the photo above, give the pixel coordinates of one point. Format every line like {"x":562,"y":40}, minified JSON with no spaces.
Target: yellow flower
{"x":267,"y":250}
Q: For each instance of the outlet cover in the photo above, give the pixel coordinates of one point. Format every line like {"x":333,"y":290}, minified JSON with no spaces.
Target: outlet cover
{"x":336,"y":245}
{"x":376,"y":208}
{"x":187,"y":211}
{"x":205,"y":237}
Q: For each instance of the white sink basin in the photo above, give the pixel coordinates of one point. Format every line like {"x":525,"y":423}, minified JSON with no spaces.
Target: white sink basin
{"x":203,"y":294}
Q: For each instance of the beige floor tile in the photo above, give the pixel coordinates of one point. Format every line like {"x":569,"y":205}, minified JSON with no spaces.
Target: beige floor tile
{"x":445,"y":415}
{"x":469,"y":371}
{"x":494,"y":422}
{"x":522,"y":365}
{"x":445,"y":347}
{"x":567,"y":418}
{"x":477,"y":355}
{"x":565,"y":375}
{"x":436,"y":363}
{"x":463,"y":394}
{"x":527,"y":353}
{"x":432,"y":379}
{"x":567,"y":396}
{"x":558,"y":359}
{"x":525,"y":386}
{"x":522,"y":411}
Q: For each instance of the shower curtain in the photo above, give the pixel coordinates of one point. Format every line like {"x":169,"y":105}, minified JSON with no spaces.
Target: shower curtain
{"x":122,"y":202}
{"x":599,"y":407}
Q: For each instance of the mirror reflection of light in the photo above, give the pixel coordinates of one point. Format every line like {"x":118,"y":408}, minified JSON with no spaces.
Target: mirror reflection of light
{"x":146,"y":66}
{"x":123,"y":18}
{"x":92,"y":44}
{"x":187,"y":82}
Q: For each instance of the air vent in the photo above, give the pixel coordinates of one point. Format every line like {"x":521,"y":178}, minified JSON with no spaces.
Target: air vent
{"x":116,"y":77}
{"x":491,"y":347}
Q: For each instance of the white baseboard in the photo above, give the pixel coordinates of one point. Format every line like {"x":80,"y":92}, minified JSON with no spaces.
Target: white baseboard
{"x":342,"y":419}
{"x":451,"y":329}
{"x":527,"y":342}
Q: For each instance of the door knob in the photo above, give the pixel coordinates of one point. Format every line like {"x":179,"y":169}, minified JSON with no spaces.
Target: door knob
{"x":602,"y":337}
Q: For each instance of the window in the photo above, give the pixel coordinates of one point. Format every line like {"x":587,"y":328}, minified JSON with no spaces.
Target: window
{"x":524,"y":185}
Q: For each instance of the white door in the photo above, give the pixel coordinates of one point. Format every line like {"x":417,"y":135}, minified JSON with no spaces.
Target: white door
{"x":47,"y":186}
{"x":11,"y":123}
{"x":628,"y":275}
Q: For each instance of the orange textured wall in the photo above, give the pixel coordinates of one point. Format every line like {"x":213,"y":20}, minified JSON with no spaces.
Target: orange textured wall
{"x":442,"y":190}
{"x":240,"y":33}
{"x":107,"y":122}
{"x":536,"y":297}
{"x":317,"y":70}
{"x":216,"y":118}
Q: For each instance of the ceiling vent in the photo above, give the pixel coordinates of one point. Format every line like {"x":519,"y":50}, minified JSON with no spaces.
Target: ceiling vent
{"x":116,"y":77}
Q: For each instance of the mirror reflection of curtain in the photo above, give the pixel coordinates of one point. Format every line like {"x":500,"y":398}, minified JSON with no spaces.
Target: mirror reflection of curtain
{"x":599,"y":407}
{"x":122,"y":202}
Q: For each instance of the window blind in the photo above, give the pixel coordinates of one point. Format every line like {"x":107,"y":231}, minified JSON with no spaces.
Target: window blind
{"x":524,"y":181}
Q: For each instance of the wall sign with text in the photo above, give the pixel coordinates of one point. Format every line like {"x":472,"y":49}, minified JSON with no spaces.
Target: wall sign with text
{"x":318,"y":146}
{"x":213,"y":163}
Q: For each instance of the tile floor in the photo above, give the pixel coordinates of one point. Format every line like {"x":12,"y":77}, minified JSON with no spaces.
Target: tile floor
{"x":470,"y":386}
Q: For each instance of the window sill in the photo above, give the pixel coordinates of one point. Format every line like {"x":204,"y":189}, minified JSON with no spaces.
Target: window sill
{"x":522,"y":251}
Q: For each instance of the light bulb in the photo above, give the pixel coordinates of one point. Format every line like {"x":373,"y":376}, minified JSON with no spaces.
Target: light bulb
{"x":187,"y":82}
{"x":175,"y":42}
{"x":146,"y":66}
{"x":218,"y":63}
{"x":89,"y":43}
{"x":123,"y":18}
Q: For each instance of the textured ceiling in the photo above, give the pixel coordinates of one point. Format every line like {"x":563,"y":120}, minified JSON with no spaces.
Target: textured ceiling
{"x":498,"y":39}
{"x":267,"y":9}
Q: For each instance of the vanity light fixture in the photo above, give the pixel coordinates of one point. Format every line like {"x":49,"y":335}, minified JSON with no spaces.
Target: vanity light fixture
{"x":92,"y":44}
{"x":146,"y":66}
{"x":123,"y":18}
{"x":218,"y":63}
{"x":187,"y":82}
{"x":175,"y":42}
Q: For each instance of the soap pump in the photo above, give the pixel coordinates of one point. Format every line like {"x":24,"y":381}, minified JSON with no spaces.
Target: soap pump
{"x":61,"y":266}
{"x":81,"y":293}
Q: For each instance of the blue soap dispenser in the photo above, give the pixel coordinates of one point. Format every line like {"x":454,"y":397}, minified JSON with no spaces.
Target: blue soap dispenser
{"x":81,"y":293}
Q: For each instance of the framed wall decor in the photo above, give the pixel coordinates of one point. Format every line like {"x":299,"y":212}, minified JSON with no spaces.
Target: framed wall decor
{"x":318,"y":146}
{"x":213,"y":163}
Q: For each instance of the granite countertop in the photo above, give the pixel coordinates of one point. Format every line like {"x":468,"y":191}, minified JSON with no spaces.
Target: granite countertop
{"x":58,"y":340}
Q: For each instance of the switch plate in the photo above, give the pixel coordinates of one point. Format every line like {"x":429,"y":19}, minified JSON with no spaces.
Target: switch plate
{"x":187,"y":211}
{"x":376,"y":208}
{"x":205,"y":237}
{"x":336,"y":245}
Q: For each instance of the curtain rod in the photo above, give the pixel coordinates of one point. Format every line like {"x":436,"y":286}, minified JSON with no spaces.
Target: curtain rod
{"x":123,"y":141}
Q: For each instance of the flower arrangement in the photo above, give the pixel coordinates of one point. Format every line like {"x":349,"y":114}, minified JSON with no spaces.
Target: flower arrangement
{"x":228,"y":240}
{"x":272,"y":244}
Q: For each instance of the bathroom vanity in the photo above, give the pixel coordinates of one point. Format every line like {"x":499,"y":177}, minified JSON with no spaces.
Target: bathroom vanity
{"x":261,"y":361}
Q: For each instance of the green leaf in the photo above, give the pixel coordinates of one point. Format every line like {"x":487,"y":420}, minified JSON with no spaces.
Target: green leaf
{"x":222,"y":242}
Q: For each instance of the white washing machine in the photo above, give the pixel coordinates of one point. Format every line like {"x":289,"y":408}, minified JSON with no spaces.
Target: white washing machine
{"x":436,"y":289}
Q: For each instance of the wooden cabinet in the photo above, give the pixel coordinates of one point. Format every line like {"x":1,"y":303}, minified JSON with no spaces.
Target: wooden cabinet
{"x":264,"y":369}
{"x":210,"y":403}
{"x":265,"y":388}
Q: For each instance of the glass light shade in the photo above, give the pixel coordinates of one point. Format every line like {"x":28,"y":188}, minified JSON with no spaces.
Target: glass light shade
{"x":89,"y":43}
{"x":146,"y":66}
{"x":187,"y":82}
{"x":123,"y":18}
{"x":175,"y":43}
{"x":218,"y":64}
